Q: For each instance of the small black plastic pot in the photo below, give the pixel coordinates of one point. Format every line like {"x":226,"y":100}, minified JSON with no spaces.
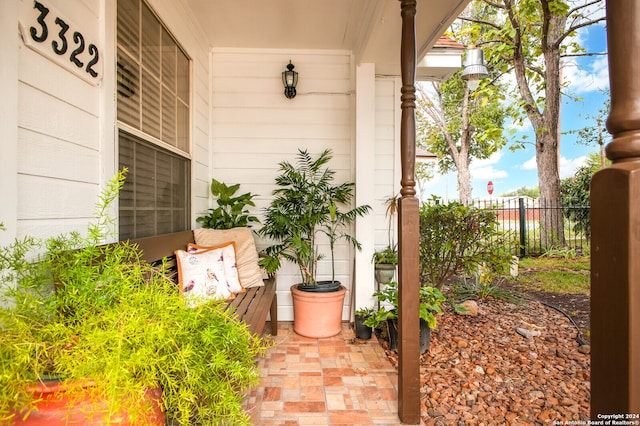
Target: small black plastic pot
{"x":362,"y":331}
{"x":425,"y":335}
{"x":321,"y":287}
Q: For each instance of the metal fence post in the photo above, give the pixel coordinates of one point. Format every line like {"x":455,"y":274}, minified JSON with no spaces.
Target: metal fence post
{"x":523,"y":224}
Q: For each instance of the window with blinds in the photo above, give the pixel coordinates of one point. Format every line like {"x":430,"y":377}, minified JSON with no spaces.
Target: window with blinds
{"x":155,"y":195}
{"x":153,"y":110}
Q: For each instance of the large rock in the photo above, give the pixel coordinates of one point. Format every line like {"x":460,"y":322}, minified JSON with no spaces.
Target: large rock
{"x":471,"y":308}
{"x":529,"y":334}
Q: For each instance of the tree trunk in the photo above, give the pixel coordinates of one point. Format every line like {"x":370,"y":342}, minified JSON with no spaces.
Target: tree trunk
{"x":551,"y":219}
{"x":464,"y":182}
{"x":545,"y":122}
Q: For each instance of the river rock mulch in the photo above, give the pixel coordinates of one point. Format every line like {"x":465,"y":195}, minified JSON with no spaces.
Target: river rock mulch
{"x":480,"y":371}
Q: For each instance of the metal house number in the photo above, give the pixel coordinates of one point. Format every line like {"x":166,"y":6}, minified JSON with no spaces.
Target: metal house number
{"x":58,"y":39}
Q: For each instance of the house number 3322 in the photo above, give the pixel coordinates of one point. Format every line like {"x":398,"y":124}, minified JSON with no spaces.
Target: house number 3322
{"x":66,"y":42}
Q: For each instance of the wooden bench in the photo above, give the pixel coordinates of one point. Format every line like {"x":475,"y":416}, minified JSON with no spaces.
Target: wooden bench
{"x":251,"y":306}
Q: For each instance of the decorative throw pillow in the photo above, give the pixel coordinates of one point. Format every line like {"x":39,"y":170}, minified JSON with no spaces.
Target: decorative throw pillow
{"x":246,"y":253}
{"x":209,"y":274}
{"x":228,"y":256}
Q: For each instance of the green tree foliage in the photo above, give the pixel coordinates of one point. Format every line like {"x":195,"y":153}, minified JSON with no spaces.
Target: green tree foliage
{"x":523,"y":192}
{"x":576,"y":192}
{"x":458,"y":126}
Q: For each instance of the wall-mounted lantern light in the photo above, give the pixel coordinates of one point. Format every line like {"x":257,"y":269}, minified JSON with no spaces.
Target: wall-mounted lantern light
{"x":474,"y":67}
{"x":290,"y":80}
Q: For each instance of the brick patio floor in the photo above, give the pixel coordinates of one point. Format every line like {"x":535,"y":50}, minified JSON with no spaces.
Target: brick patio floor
{"x":332,"y":381}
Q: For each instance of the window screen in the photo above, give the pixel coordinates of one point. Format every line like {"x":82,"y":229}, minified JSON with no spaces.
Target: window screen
{"x":153,"y":113}
{"x":155,"y":196}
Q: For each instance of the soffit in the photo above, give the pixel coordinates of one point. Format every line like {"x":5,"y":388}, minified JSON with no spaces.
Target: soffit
{"x":371,"y":29}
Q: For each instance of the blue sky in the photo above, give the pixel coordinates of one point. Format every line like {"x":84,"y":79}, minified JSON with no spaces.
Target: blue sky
{"x":509,"y":170}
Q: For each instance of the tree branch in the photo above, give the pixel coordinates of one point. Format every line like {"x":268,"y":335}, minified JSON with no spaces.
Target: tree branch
{"x":496,"y":5}
{"x":571,"y":55}
{"x":582,"y":6}
{"x":578,"y":26}
{"x":481,"y":22}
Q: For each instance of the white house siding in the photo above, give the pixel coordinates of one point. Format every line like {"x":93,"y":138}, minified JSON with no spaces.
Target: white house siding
{"x":8,"y":119}
{"x":387,"y":161}
{"x":59,"y":137}
{"x":58,"y":133}
{"x":254,"y":127}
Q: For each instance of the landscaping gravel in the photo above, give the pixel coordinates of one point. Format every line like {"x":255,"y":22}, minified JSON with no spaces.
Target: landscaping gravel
{"x":481,"y":371}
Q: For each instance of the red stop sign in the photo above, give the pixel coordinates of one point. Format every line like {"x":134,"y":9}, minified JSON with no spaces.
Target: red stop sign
{"x":490,"y":187}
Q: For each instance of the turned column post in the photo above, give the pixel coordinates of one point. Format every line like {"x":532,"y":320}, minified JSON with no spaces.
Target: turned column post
{"x":408,"y":231}
{"x":615,"y":225}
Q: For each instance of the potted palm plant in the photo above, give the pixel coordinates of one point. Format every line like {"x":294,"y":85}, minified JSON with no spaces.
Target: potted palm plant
{"x":91,"y":334}
{"x":307,"y":205}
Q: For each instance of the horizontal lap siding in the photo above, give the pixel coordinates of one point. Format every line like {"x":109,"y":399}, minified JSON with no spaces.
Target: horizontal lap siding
{"x":387,"y":176}
{"x":58,"y":138}
{"x":255,"y":127}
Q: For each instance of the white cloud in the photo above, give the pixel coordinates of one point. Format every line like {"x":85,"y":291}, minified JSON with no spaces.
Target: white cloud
{"x":524,"y":127}
{"x":488,"y":172}
{"x":594,"y":77}
{"x":483,"y":169}
{"x":530,"y":164}
{"x":568,"y":166}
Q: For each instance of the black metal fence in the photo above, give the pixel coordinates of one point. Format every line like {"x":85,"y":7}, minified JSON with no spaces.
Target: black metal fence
{"x":528,"y":224}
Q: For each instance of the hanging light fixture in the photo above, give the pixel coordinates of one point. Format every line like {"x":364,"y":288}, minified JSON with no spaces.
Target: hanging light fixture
{"x":474,"y":67}
{"x":290,"y":80}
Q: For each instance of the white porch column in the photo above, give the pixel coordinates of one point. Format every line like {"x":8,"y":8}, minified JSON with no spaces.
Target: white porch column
{"x":9,"y":119}
{"x":365,"y":182}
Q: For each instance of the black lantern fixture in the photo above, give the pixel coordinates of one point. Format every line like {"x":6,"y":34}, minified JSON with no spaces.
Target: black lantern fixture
{"x":290,"y":80}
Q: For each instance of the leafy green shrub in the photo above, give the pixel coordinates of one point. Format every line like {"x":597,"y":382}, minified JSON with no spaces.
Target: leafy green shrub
{"x":430,"y":300}
{"x":75,"y":309}
{"x":231,"y":211}
{"x":455,"y":238}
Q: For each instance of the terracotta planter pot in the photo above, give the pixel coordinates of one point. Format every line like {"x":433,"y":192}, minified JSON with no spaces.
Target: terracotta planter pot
{"x":317,"y":314}
{"x":57,"y":408}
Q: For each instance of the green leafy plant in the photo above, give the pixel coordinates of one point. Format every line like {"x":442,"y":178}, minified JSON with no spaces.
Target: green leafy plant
{"x":75,"y":309}
{"x":364,"y":312}
{"x":232,"y":210}
{"x":455,"y":238}
{"x":558,"y":251}
{"x":430,"y":305}
{"x":482,"y":285}
{"x":388,"y":256}
{"x":307,"y":203}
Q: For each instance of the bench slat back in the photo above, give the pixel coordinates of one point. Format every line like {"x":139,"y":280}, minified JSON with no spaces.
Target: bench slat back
{"x":251,"y":307}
